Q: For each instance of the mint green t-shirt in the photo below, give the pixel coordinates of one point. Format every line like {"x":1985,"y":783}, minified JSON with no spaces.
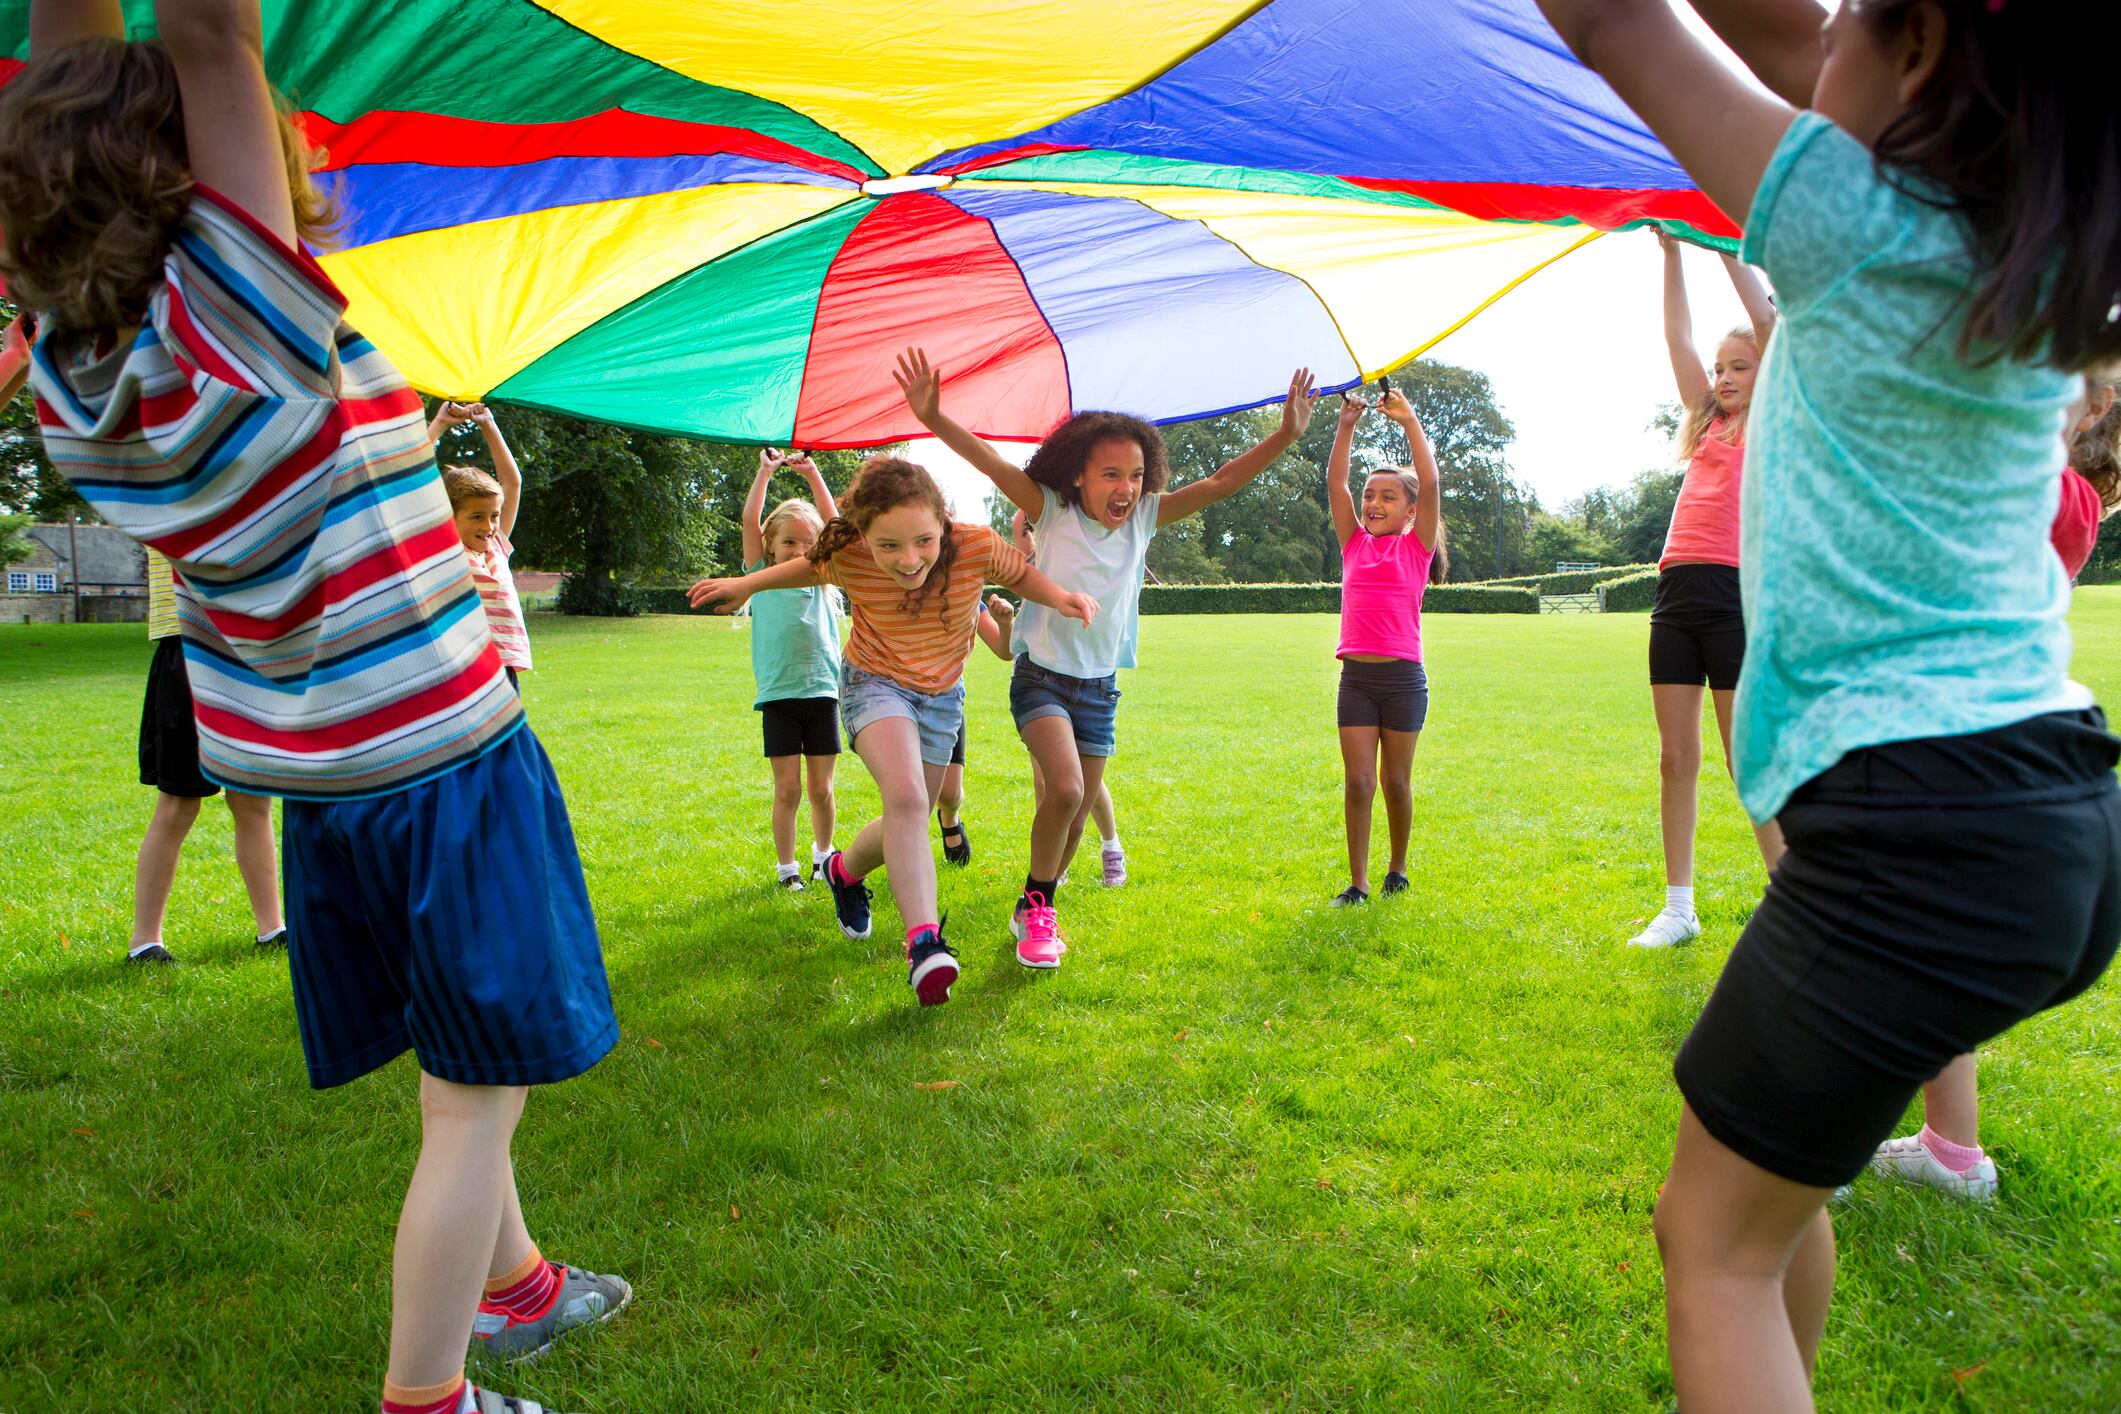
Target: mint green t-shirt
{"x":795,"y":642}
{"x":1894,"y":520}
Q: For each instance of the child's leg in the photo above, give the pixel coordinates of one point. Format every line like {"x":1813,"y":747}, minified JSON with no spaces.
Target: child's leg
{"x":1749,"y":1270}
{"x":256,"y":858}
{"x":1101,"y":811}
{"x":1768,"y":836}
{"x":1358,"y":760}
{"x":1951,"y":1104}
{"x":1093,"y":768}
{"x":823,"y":810}
{"x":450,"y":1229}
{"x":1397,"y":778}
{"x":1678,"y":708}
{"x":950,"y":795}
{"x":787,"y":795}
{"x":1051,"y":742}
{"x":897,"y":840}
{"x":512,"y":1243}
{"x":157,"y":868}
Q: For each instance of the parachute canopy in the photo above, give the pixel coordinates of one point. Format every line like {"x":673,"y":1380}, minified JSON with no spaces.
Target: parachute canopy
{"x":723,"y":220}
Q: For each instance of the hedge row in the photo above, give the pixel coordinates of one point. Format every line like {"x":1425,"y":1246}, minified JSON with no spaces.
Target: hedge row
{"x":1632,"y":595}
{"x":1217,"y":599}
{"x":1574,"y":582}
{"x":1325,"y":599}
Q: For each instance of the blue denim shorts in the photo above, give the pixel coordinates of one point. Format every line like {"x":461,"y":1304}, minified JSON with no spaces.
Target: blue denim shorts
{"x":1091,"y":705}
{"x":867,"y":697}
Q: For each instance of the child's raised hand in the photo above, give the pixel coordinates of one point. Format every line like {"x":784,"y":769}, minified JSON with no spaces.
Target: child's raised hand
{"x":800,"y":463}
{"x":721,"y":593}
{"x":21,"y":333}
{"x":922,"y":385}
{"x":1079,"y":606}
{"x":454,"y":413}
{"x":1296,"y":408}
{"x":1665,"y":242}
{"x":770,"y":459}
{"x":1396,"y":407}
{"x":1351,"y":409}
{"x":481,"y":414}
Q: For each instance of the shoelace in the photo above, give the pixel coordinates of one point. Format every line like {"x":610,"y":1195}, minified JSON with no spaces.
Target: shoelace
{"x":1040,"y":923}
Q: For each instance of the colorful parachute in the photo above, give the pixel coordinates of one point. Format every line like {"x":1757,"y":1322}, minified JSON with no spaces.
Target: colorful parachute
{"x":723,"y":219}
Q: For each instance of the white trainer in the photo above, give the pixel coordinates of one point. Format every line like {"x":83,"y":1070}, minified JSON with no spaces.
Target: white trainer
{"x":1668,"y":930}
{"x":1911,"y":1161}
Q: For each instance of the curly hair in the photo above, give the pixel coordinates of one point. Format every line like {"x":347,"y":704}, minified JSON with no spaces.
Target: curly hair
{"x":883,"y":484}
{"x":95,"y":178}
{"x":2095,"y":454}
{"x":1061,"y":460}
{"x":468,"y":483}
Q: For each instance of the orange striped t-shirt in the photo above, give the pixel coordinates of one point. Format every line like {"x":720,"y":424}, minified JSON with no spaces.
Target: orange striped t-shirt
{"x":922,"y":647}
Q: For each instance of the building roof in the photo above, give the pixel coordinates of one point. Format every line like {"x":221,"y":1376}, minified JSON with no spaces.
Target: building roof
{"x":108,"y":554}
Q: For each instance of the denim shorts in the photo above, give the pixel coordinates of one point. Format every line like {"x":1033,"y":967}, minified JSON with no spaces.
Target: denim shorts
{"x":867,"y":697}
{"x":1091,"y":705}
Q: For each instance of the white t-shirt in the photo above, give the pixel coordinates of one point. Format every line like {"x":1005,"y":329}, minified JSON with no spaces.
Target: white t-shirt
{"x":1079,"y":555}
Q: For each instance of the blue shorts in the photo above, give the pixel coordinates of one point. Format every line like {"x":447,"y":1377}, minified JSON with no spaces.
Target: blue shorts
{"x":1091,"y":705}
{"x":867,"y":697}
{"x":449,"y":918}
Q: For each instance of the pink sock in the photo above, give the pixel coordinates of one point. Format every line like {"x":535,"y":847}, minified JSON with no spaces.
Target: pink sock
{"x":1955,"y":1157}
{"x":919,"y":928}
{"x":839,"y":872}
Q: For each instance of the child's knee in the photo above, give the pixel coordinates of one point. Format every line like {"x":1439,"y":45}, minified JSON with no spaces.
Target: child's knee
{"x":177,"y":811}
{"x":1362,"y":785}
{"x":821,"y":795}
{"x":477,"y":1112}
{"x":1678,"y":763}
{"x":787,"y":794}
{"x":249,"y":809}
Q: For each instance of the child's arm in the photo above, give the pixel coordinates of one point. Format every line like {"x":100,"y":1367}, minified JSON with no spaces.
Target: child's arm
{"x":820,"y":493}
{"x":755,"y":507}
{"x":231,"y":130}
{"x":1752,"y":293}
{"x":1777,"y":39}
{"x":446,"y":416}
{"x":923,"y":387}
{"x":1237,"y":473}
{"x":14,"y":357}
{"x":1041,"y":590}
{"x":1428,"y":510}
{"x":53,"y":24}
{"x":1338,"y":496}
{"x":505,"y":469}
{"x":996,"y":618}
{"x":728,"y":594}
{"x":1722,"y":130}
{"x":1687,"y":372}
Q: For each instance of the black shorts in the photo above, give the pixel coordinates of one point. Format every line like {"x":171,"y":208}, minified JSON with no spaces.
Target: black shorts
{"x":801,"y":726}
{"x":957,"y":752}
{"x":1697,"y":627}
{"x":1393,"y":696}
{"x":1935,"y":893}
{"x":169,"y":733}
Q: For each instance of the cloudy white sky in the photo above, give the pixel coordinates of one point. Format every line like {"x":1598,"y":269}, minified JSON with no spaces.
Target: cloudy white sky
{"x":1576,"y":354}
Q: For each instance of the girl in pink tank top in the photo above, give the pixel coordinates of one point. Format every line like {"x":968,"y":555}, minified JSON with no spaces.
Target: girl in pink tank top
{"x":1697,"y":624}
{"x":1390,"y":549}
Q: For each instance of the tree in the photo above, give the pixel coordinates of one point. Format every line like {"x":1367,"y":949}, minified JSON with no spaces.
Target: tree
{"x":1554,"y":540}
{"x":13,"y":546}
{"x":28,"y":484}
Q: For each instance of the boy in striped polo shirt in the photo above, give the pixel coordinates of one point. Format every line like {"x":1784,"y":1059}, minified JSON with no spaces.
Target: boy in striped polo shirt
{"x":197,"y":383}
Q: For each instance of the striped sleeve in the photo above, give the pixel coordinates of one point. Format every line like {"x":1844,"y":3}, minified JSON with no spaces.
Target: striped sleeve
{"x":1001,"y":562}
{"x":245,"y":308}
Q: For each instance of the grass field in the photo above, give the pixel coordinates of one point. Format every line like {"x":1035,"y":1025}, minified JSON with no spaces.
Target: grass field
{"x":1242,"y":1152}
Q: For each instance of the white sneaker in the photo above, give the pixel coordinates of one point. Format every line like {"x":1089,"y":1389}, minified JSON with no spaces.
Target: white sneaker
{"x":1911,"y":1161}
{"x":1668,"y":930}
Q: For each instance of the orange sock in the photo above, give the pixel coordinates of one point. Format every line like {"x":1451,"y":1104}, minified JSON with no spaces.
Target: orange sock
{"x":448,"y":1397}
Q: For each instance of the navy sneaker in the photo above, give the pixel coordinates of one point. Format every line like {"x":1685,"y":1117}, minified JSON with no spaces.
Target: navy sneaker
{"x":1348,"y":897}
{"x":1396,"y":884}
{"x":931,"y":967}
{"x":849,"y":901}
{"x":152,"y":953}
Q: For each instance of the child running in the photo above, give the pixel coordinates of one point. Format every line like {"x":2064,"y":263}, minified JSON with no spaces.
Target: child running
{"x":198,"y":384}
{"x":484,"y":508}
{"x":1094,"y":493}
{"x":913,"y":578}
{"x":1389,"y":553}
{"x":795,"y":661}
{"x":1939,"y":232}
{"x":1697,"y":623}
{"x":1946,"y":1154}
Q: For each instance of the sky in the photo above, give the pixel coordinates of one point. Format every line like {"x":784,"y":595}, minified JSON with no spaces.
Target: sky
{"x":1576,"y":355}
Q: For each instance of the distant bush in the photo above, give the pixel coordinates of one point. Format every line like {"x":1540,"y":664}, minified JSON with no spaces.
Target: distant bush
{"x":1632,"y":595}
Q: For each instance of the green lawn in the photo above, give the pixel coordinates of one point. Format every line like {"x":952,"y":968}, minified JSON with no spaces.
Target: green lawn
{"x":1241,"y":1152}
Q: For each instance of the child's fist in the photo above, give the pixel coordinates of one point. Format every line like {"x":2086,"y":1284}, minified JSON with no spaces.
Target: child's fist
{"x":1004,"y":612}
{"x":1079,"y":606}
{"x":1396,"y":407}
{"x":1351,"y":409}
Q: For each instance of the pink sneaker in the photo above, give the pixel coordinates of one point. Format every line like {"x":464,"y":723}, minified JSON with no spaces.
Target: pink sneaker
{"x":1039,"y":931}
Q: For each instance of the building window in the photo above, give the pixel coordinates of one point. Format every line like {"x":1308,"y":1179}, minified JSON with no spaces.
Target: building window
{"x":18,"y":581}
{"x":47,"y":582}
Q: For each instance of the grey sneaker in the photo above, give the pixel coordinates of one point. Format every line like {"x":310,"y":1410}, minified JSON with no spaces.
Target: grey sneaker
{"x":585,"y":1299}
{"x":486,"y":1401}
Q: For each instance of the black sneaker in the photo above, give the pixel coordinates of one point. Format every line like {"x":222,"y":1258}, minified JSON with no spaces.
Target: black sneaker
{"x":961,"y":852}
{"x":1348,"y":898}
{"x":792,"y":883}
{"x":153,"y":953}
{"x":931,"y":967}
{"x":1396,"y":884}
{"x":849,"y":901}
{"x":275,"y":941}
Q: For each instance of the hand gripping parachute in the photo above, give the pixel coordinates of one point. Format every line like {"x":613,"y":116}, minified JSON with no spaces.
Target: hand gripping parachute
{"x":723,"y":220}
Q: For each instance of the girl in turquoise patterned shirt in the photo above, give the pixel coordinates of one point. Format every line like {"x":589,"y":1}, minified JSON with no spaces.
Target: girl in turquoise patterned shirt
{"x":1930,"y":186}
